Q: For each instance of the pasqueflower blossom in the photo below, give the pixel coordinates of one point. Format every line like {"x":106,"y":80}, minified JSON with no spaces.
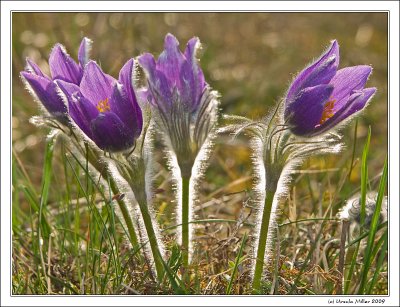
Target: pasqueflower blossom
{"x":186,"y":112}
{"x":321,"y":97}
{"x":62,"y":67}
{"x":174,"y":76}
{"x":105,"y":109}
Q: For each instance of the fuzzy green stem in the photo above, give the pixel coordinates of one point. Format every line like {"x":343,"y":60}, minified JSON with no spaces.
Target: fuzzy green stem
{"x":94,"y":160}
{"x":185,"y":221}
{"x":262,"y":243}
{"x":114,"y":187}
{"x":148,"y":224}
{"x":127,"y":218}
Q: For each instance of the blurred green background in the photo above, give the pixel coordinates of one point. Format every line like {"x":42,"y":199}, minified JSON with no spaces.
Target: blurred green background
{"x":249,"y":58}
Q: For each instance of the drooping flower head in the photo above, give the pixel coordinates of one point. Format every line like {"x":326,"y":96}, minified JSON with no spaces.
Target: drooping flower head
{"x":320,"y":97}
{"x":62,"y":67}
{"x":175,"y":77}
{"x":105,"y":109}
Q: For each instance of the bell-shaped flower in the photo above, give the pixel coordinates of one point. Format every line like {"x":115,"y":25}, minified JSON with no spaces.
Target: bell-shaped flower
{"x":62,"y":67}
{"x":175,"y":77}
{"x":185,"y":107}
{"x":105,"y":109}
{"x":321,"y":97}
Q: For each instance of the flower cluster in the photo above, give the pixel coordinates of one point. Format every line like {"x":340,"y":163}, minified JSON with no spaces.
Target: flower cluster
{"x":111,"y":115}
{"x":105,"y":109}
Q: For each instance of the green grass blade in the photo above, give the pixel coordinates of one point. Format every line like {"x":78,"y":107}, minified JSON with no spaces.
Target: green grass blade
{"x":379,"y":262}
{"x":237,"y":261}
{"x":46,"y":180}
{"x":175,"y":282}
{"x":373,"y":229}
{"x":32,"y":199}
{"x":354,"y":149}
{"x":99,"y":219}
{"x":366,"y":234}
{"x":377,"y":246}
{"x":30,"y":195}
{"x":364,"y":177}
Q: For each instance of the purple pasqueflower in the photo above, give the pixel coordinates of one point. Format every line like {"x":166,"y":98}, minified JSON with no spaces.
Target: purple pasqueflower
{"x":175,"y":77}
{"x":320,"y":97}
{"x":105,"y":109}
{"x":62,"y":67}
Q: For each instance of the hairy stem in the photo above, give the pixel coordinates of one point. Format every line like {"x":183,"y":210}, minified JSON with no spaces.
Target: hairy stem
{"x":185,"y":221}
{"x":262,"y":243}
{"x":114,"y":187}
{"x":127,"y":218}
{"x":148,"y":223}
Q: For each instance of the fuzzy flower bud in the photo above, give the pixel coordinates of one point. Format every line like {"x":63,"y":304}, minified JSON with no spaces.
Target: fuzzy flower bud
{"x":352,"y":210}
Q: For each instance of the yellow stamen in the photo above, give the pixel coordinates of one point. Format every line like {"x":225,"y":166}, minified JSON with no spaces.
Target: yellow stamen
{"x":103,"y":106}
{"x":328,"y":111}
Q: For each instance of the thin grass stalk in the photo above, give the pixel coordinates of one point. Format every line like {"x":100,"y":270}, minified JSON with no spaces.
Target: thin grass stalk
{"x":365,"y":234}
{"x":379,"y":262}
{"x":364,"y":179}
{"x":354,"y":149}
{"x":262,"y":242}
{"x":235,"y":268}
{"x":47,"y":171}
{"x":343,"y":237}
{"x":351,"y":270}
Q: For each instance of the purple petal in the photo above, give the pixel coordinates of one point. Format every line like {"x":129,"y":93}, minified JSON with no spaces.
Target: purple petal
{"x":305,"y":112}
{"x":161,"y":90}
{"x":190,"y":53}
{"x":81,"y":110}
{"x":356,"y":102}
{"x":46,"y":92}
{"x":127,"y":110}
{"x":67,"y":88}
{"x":63,"y":67}
{"x":171,"y":59}
{"x":110,"y":134}
{"x":84,"y":51}
{"x":34,"y":69}
{"x":321,"y":74}
{"x":143,"y":95}
{"x":126,"y":79}
{"x":159,"y":85}
{"x":148,"y":64}
{"x":191,"y":48}
{"x":302,"y":77}
{"x":131,"y":113}
{"x":188,"y":88}
{"x":347,"y":80}
{"x":96,"y":85}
